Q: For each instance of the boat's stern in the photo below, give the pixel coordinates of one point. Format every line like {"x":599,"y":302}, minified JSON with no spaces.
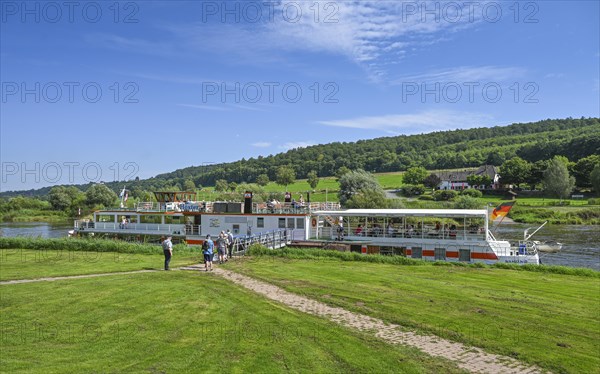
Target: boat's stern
{"x":524,"y":253}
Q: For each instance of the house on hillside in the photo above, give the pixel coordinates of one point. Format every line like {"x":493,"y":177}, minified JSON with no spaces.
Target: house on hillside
{"x":457,"y":180}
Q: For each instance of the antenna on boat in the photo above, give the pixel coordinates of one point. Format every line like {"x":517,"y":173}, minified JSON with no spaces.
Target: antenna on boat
{"x":526,"y":237}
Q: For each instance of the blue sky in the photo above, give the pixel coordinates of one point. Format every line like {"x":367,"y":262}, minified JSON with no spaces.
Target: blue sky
{"x":106,"y":91}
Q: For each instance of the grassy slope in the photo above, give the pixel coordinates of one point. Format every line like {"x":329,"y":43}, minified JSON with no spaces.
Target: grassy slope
{"x":179,"y":322}
{"x":548,"y":319}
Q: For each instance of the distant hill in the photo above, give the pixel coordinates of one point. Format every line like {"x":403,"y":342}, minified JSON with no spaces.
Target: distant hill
{"x":572,"y":138}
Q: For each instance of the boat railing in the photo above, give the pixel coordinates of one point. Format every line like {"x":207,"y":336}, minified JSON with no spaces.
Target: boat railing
{"x":525,"y":247}
{"x":83,"y":224}
{"x":354,"y":232}
{"x":150,"y":206}
{"x":193,"y":229}
{"x":167,"y":229}
{"x":316,"y":206}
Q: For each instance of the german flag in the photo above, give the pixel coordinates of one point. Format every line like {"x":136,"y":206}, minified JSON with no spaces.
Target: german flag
{"x":502,"y":210}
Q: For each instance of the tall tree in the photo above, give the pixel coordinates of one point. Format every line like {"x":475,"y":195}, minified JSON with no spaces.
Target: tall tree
{"x":357,"y":182}
{"x":59,"y":198}
{"x":536,"y":174}
{"x":367,"y":198}
{"x":515,"y":171}
{"x":341,"y":172}
{"x":595,"y":179}
{"x":262,"y":180}
{"x":414,"y":175}
{"x":557,"y":181}
{"x":189,"y":185}
{"x":100,"y":194}
{"x":432,"y":181}
{"x":313,"y":179}
{"x":285,"y":176}
{"x":221,"y":185}
{"x":583,"y":168}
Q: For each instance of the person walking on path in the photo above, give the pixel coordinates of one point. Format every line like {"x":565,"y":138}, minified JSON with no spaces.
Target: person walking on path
{"x":207,"y":251}
{"x":222,"y":246}
{"x":229,"y":244}
{"x":167,"y":246}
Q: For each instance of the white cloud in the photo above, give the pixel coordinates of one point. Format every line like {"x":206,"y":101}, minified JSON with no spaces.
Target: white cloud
{"x":465,"y":74}
{"x":427,"y":121}
{"x":292,"y":145}
{"x":372,"y":34}
{"x":261,"y":144}
{"x":205,"y":107}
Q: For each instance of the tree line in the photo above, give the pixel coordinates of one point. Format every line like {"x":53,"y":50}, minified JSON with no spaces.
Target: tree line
{"x":534,"y":143}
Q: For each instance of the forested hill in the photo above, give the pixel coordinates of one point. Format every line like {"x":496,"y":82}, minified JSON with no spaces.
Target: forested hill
{"x":573,"y":138}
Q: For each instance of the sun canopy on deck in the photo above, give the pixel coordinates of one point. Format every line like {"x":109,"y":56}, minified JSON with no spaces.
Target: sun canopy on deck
{"x":404,"y":213}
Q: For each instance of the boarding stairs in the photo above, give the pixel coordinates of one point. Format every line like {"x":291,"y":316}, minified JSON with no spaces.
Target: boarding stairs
{"x":271,"y":239}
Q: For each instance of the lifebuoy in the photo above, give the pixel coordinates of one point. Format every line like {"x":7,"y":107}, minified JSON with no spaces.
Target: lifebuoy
{"x":314,"y":222}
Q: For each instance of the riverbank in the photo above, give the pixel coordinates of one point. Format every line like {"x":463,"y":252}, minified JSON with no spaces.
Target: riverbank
{"x":50,"y":216}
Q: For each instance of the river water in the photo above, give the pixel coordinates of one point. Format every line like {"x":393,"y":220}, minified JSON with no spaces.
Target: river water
{"x":581,"y":242}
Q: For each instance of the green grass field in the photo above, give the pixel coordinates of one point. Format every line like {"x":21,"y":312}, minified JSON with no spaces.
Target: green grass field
{"x":28,"y":263}
{"x":178,"y":321}
{"x":546,"y":319}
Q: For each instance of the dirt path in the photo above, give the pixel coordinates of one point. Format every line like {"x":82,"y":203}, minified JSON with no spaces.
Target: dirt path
{"x":51,"y":279}
{"x":469,"y":358}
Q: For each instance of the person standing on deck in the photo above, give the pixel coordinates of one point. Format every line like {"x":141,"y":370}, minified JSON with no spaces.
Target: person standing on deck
{"x":207,"y":251}
{"x":390,"y":229}
{"x":167,"y":251}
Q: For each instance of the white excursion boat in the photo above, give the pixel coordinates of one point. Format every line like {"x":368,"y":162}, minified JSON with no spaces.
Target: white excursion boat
{"x":429,"y":234}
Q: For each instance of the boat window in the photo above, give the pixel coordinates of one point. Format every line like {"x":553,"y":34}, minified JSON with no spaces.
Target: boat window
{"x":173,"y":219}
{"x":299,"y":223}
{"x":150,"y":219}
{"x":132,"y":219}
{"x":260,"y":222}
{"x":281,"y":223}
{"x":290,"y":223}
{"x":464,"y":255}
{"x":105,"y":218}
{"x":439,"y":254}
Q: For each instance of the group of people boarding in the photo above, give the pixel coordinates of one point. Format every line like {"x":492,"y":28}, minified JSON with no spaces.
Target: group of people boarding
{"x":223,"y":243}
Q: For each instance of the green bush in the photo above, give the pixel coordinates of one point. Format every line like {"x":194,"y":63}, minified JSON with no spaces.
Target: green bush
{"x":444,"y":195}
{"x":594,"y":201}
{"x":467,"y":202}
{"x":413,"y":190}
{"x":472,"y":192}
{"x":426,"y":197}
